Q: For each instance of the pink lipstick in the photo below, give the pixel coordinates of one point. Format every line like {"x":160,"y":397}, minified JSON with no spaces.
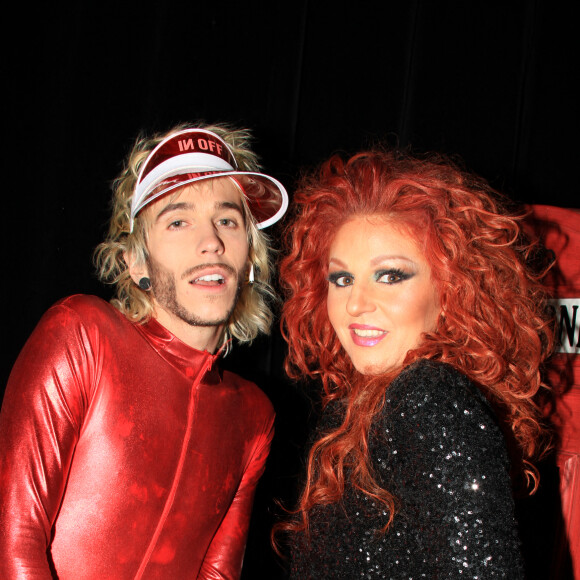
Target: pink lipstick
{"x":364,"y":335}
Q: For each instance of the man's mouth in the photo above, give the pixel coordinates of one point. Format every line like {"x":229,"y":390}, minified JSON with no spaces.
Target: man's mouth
{"x":209,"y":280}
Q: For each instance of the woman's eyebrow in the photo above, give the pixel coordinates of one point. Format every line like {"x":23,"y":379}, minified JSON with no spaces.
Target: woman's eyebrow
{"x":338,"y":262}
{"x":386,"y":258}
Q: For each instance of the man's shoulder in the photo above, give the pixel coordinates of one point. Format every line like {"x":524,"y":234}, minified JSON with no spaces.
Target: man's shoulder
{"x":85,"y":307}
{"x":85,"y":304}
{"x":82,"y":311}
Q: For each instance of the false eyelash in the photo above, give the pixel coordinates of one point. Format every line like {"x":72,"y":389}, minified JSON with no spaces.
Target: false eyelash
{"x":400,"y":274}
{"x":336,"y":275}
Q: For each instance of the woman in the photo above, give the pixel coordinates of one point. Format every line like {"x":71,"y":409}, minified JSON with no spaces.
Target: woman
{"x":411,"y":299}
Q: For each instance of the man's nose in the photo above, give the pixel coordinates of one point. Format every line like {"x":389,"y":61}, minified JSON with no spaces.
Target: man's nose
{"x":209,"y":241}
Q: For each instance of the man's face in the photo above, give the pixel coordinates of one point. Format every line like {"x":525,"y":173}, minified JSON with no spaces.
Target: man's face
{"x":198,"y":255}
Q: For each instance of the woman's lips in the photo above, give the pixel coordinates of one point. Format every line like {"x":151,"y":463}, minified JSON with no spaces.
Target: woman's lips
{"x":363,"y":335}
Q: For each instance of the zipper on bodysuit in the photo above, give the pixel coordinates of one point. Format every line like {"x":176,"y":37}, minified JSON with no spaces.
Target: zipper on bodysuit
{"x":205,"y":368}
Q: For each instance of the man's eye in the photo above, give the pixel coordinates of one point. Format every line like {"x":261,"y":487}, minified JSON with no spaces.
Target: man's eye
{"x":227,"y":222}
{"x":176,"y":224}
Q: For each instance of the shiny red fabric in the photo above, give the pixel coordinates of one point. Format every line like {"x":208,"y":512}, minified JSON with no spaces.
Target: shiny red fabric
{"x":124,"y":453}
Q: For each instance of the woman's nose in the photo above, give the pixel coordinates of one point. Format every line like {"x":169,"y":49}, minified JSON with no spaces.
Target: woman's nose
{"x":359,"y":301}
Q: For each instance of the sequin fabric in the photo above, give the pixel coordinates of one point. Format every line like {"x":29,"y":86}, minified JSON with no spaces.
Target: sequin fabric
{"x":438,"y":449}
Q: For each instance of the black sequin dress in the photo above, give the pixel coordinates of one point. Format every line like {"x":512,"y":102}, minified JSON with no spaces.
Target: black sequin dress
{"x":438,"y":449}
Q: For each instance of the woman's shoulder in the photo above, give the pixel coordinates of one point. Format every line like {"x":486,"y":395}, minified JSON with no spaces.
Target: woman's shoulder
{"x":433,"y":399}
{"x":436,"y":421}
{"x":431,"y":372}
{"x":438,"y":448}
{"x":437,"y":383}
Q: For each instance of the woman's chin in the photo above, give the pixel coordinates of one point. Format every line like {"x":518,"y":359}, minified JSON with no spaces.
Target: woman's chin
{"x":373,"y":369}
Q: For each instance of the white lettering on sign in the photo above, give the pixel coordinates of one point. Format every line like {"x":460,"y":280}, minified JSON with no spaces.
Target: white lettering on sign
{"x":567,"y":312}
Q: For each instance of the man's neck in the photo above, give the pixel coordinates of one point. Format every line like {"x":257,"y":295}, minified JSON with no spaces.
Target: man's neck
{"x":198,"y":337}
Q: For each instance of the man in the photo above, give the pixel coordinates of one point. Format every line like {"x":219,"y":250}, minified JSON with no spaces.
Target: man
{"x":125,"y":452}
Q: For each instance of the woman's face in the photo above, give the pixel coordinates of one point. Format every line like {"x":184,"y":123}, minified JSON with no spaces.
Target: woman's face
{"x":381,"y":297}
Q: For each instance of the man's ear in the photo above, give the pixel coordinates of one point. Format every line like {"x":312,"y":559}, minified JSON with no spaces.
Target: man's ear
{"x":137,"y":269}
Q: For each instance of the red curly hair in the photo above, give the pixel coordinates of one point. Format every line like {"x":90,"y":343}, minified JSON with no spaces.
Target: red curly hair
{"x":493,"y":325}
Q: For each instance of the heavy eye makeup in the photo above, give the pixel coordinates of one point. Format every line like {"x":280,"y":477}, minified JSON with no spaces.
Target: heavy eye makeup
{"x":340,"y":279}
{"x":392,"y":276}
{"x":384,"y":276}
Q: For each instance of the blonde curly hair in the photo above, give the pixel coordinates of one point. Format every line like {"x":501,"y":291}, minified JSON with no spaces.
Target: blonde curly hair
{"x":252,"y":313}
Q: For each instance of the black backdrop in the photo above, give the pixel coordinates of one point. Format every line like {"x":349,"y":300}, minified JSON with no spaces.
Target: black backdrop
{"x":492,"y":81}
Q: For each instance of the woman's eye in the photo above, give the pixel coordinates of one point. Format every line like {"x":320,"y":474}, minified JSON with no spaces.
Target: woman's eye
{"x":391,"y":277}
{"x":340,"y":279}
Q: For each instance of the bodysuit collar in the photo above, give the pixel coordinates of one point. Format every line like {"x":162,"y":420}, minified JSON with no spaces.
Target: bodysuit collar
{"x":188,"y":360}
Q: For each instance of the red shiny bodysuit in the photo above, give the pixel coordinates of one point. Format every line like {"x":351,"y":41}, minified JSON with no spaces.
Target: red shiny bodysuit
{"x":125,"y":453}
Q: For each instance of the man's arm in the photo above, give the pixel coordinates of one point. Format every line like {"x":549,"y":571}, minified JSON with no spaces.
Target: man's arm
{"x":223,"y":560}
{"x":39,"y":426}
